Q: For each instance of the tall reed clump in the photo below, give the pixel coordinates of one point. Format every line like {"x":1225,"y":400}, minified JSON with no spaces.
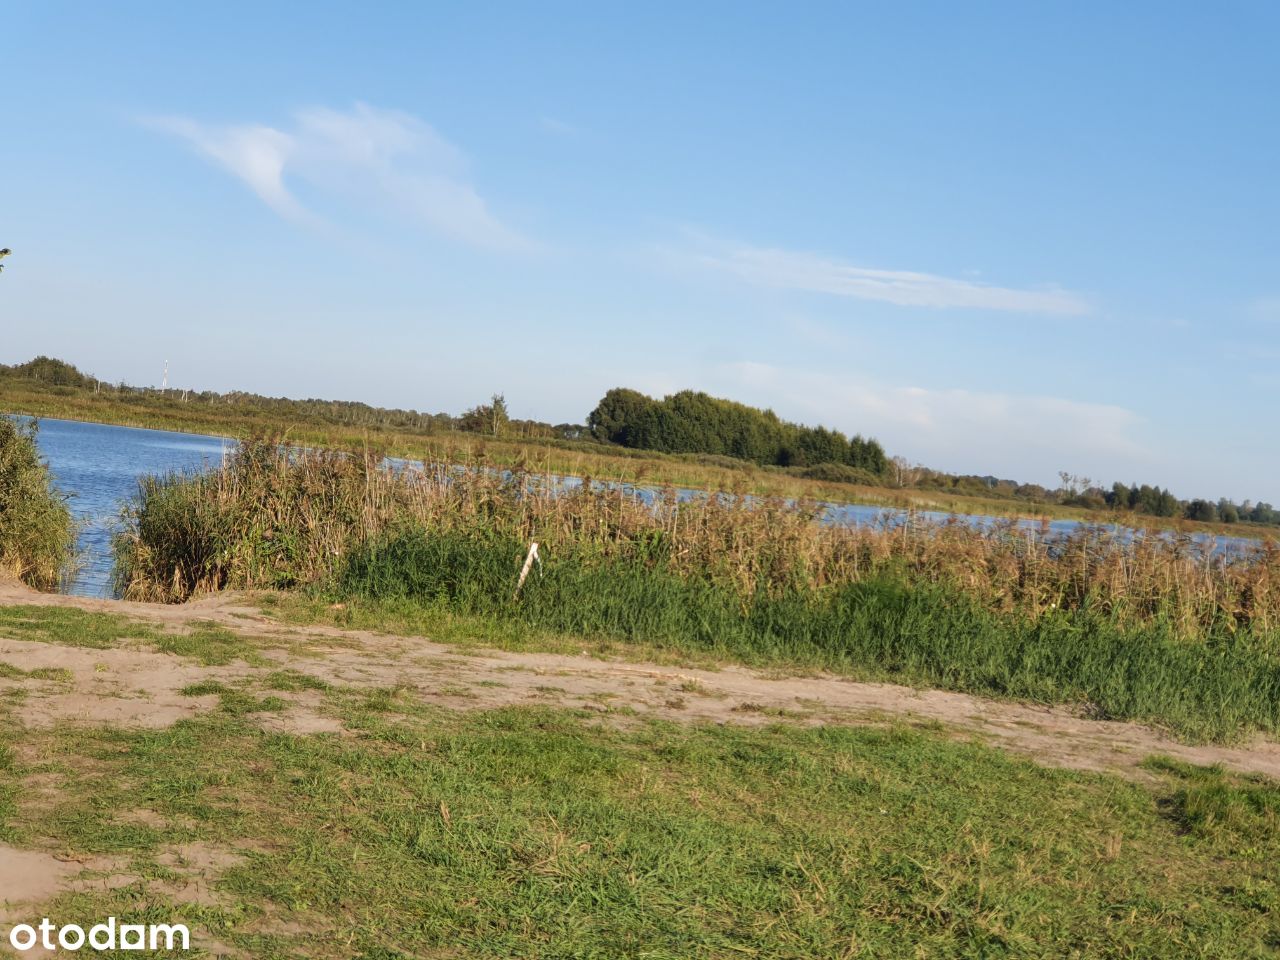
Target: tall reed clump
{"x":37,"y":531}
{"x":1157,"y":628}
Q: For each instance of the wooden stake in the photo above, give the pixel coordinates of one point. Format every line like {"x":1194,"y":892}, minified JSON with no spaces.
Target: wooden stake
{"x":528,"y":563}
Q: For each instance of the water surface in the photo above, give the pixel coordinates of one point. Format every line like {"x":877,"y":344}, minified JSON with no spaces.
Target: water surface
{"x":99,"y":466}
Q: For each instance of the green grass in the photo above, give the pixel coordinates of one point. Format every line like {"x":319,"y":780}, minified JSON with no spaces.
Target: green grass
{"x":9,"y":672}
{"x":69,"y":627}
{"x":1232,"y":812}
{"x":208,"y":643}
{"x":293,"y":681}
{"x":235,"y":700}
{"x":541,"y":833}
{"x":205,"y":642}
{"x":923,"y":634}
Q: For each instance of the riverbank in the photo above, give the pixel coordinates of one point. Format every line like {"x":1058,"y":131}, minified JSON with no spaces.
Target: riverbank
{"x":168,"y":411}
{"x":403,"y":798}
{"x":1156,"y":630}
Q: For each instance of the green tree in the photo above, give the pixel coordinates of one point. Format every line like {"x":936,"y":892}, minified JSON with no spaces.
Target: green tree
{"x":58,"y":372}
{"x":489,"y":418}
{"x":1201,"y":510}
{"x":867,"y":454}
{"x":694,"y":422}
{"x":616,"y":414}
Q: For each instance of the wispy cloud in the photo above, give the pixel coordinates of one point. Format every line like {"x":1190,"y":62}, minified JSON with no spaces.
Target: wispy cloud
{"x":813,"y":273}
{"x":384,"y":158}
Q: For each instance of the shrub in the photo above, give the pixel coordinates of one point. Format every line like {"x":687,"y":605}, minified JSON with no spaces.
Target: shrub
{"x":37,"y":532}
{"x":840,"y":473}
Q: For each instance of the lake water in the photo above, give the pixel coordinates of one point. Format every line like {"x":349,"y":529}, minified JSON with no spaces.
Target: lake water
{"x":99,"y":466}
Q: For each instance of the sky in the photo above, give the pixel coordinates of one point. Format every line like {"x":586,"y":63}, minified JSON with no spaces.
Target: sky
{"x":1002,"y":238}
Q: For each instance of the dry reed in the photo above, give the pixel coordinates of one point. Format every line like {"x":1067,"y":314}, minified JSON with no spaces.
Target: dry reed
{"x":274,"y":517}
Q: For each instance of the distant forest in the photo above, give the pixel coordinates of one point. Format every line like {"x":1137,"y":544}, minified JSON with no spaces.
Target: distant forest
{"x":690,"y":423}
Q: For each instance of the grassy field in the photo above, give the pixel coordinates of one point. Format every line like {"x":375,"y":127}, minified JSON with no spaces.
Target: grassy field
{"x":568,"y":458}
{"x":550,"y":832}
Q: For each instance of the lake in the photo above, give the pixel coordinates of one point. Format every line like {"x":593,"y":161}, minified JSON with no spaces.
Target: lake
{"x":99,"y":466}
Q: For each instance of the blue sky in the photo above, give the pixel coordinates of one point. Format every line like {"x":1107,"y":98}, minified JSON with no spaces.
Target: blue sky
{"x":1007,"y":238}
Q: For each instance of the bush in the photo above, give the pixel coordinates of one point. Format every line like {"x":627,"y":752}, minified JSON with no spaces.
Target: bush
{"x":37,"y":533}
{"x":694,"y":422}
{"x":840,"y":473}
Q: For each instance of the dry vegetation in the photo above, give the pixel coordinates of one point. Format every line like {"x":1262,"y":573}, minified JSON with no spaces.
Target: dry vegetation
{"x":276,"y":518}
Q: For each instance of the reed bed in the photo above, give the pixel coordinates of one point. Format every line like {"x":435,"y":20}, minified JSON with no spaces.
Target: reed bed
{"x":37,"y":531}
{"x":276,"y":517}
{"x":1158,"y":628}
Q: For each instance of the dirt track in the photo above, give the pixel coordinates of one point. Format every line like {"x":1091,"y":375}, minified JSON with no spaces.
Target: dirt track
{"x":141,"y":687}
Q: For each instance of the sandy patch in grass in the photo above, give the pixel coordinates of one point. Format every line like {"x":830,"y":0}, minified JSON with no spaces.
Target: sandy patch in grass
{"x":29,"y":877}
{"x":116,"y":687}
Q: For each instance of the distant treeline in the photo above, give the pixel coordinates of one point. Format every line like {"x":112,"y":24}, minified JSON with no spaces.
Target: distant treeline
{"x":1161,"y":503}
{"x":693,"y":422}
{"x":490,"y":418}
{"x":1143,"y":499}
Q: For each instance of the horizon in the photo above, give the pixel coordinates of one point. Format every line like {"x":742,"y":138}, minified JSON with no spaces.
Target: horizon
{"x":1085,"y":484}
{"x":1004,"y":243}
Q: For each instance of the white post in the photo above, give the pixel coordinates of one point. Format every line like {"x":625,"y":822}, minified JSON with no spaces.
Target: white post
{"x":528,"y":563}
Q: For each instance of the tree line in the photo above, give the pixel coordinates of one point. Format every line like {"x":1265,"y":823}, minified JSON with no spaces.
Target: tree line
{"x":1161,"y":503}
{"x":487,"y":418}
{"x":695,"y":422}
{"x":1144,"y":499}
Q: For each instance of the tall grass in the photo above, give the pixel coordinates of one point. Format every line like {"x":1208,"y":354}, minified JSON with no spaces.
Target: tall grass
{"x":37,"y":532}
{"x":886,"y":626}
{"x":1157,"y":628}
{"x":279,"y":517}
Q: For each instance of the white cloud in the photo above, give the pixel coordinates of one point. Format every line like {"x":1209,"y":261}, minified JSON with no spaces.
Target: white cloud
{"x":381,"y":158}
{"x":812,"y":273}
{"x":255,"y":154}
{"x":1019,"y":436}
